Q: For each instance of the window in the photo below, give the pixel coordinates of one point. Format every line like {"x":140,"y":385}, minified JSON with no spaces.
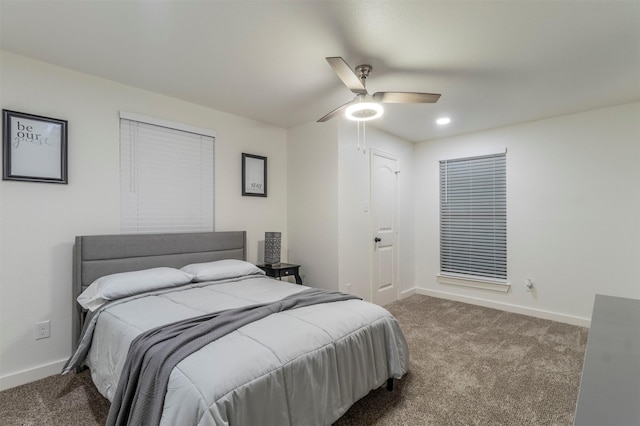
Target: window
{"x":166,"y":177}
{"x":473,"y":218}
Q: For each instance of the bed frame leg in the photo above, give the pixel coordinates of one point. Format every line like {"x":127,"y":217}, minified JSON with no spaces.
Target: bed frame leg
{"x":390,"y":384}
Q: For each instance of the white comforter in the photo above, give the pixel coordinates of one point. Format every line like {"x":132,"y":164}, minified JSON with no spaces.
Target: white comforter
{"x":304,"y":366}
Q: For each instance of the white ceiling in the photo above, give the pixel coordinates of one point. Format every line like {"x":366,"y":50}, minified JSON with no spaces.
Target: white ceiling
{"x":495,"y":62}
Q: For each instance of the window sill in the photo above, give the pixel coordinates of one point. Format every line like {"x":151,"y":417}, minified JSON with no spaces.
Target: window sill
{"x":485,"y":284}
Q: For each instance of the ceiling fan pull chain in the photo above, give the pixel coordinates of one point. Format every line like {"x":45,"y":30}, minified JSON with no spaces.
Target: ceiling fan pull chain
{"x":358,"y":124}
{"x":364,"y":137}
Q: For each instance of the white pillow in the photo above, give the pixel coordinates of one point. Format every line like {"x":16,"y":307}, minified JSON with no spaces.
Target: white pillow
{"x":116,"y":286}
{"x":221,"y":270}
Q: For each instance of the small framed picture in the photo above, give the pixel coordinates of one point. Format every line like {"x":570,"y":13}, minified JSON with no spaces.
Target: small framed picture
{"x":254,"y":175}
{"x":34,"y":148}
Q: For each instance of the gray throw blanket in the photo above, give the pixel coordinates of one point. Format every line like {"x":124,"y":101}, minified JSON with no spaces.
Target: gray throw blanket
{"x":139,"y":398}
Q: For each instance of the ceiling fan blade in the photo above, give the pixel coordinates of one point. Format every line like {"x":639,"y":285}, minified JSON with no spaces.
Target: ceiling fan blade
{"x":334,"y":112}
{"x":406,"y":97}
{"x":346,"y":74}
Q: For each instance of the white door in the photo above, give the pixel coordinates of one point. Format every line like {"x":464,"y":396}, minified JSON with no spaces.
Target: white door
{"x":384,"y":177}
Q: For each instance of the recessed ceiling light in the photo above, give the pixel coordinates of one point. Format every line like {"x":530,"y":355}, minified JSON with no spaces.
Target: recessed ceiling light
{"x":444,"y":120}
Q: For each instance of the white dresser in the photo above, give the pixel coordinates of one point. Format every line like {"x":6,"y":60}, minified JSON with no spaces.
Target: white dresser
{"x":610,"y":385}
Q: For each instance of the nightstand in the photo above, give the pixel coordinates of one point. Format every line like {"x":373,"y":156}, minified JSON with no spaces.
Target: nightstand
{"x":279,"y":270}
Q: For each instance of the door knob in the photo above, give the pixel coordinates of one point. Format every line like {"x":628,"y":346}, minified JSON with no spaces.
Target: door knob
{"x":377,"y":239}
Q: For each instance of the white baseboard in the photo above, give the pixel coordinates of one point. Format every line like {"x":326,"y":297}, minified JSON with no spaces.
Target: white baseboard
{"x":406,"y":293}
{"x":31,"y":375}
{"x":538,"y":313}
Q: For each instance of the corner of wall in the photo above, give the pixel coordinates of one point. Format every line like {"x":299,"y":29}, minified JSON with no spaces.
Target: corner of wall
{"x":312,"y":186}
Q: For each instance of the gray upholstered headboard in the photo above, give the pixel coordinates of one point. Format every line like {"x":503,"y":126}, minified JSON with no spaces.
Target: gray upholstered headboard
{"x":98,"y":255}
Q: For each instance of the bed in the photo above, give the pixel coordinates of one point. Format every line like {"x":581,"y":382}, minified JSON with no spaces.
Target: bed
{"x":301,"y":366}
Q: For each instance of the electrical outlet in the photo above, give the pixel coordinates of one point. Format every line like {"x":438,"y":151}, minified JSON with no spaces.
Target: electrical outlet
{"x":43,"y":329}
{"x":529,"y":284}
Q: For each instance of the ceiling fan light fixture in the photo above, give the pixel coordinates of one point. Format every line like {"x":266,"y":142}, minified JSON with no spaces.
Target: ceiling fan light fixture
{"x":443,"y":121}
{"x":364,"y":111}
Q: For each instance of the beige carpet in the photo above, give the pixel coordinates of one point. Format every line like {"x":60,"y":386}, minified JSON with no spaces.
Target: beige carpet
{"x":469,"y":366}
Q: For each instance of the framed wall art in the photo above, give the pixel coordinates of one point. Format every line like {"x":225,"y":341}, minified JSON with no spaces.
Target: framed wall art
{"x":34,"y":148}
{"x":254,"y":175}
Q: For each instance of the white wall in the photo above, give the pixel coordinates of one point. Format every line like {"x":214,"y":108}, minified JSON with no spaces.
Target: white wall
{"x":38,"y":222}
{"x":573,"y":208}
{"x":356,"y":238}
{"x":312,"y":179}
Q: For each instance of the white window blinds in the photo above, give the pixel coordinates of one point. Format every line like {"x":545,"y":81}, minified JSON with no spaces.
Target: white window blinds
{"x":473,"y":217}
{"x":166,"y":179}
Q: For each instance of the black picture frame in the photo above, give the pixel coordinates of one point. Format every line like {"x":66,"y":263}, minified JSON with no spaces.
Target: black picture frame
{"x":34,"y":148}
{"x":254,"y":175}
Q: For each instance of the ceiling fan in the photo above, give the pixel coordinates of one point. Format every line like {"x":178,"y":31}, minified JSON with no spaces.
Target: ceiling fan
{"x":365,"y":106}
